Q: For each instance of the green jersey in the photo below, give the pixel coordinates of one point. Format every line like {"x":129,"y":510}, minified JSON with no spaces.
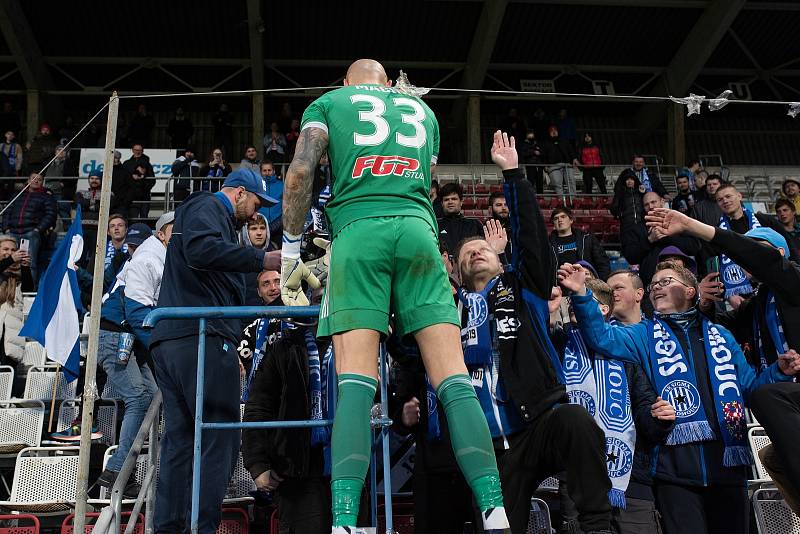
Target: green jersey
{"x":381,"y":146}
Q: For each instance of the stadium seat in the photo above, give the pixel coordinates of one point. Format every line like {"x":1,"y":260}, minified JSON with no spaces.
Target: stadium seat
{"x":469,"y":203}
{"x":106,"y":417}
{"x":234,"y":521}
{"x":21,"y":423}
{"x":758,"y":439}
{"x":34,"y":354}
{"x":21,"y":524}
{"x":40,"y":382}
{"x":482,"y":203}
{"x":498,"y":188}
{"x":138,"y":475}
{"x":539,"y":519}
{"x":45,"y":480}
{"x":549,"y":484}
{"x":773,"y":515}
{"x":490,"y":179}
{"x":67,"y":526}
{"x":6,"y":381}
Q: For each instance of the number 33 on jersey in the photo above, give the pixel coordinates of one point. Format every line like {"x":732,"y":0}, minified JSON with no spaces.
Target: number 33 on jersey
{"x":381,"y":145}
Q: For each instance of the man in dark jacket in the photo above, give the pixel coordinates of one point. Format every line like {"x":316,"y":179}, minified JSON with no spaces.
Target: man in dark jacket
{"x":561,"y":161}
{"x":30,"y":218}
{"x":205,"y":266}
{"x":685,"y":200}
{"x":185,"y":166}
{"x":532,"y":154}
{"x":498,"y":209}
{"x":648,"y":178}
{"x":287,"y":461}
{"x":453,"y":226}
{"x":537,"y":433}
{"x":571,"y":244}
{"x":627,"y":204}
{"x":141,"y":180}
{"x":643,"y":247}
{"x":701,"y":473}
{"x":706,"y":209}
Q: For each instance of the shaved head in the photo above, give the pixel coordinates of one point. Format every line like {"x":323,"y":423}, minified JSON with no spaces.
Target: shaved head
{"x":366,"y":71}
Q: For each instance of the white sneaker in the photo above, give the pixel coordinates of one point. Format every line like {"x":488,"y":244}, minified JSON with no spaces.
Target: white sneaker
{"x":495,"y":520}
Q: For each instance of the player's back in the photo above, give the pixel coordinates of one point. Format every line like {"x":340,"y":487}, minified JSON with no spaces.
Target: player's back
{"x":381,"y":146}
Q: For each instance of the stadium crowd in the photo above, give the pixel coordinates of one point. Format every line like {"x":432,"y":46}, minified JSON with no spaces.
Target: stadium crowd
{"x":631,"y":387}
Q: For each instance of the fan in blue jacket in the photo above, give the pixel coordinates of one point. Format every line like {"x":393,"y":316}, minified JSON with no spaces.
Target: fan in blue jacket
{"x":700,"y":474}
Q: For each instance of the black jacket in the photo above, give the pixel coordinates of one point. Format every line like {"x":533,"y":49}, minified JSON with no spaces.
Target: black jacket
{"x":185,"y":168}
{"x":34,"y":210}
{"x":139,"y":189}
{"x":205,"y":266}
{"x":558,"y":151}
{"x":627,"y":205}
{"x":454,"y":228}
{"x":637,"y":249}
{"x":776,"y":274}
{"x":588,"y":249}
{"x":120,"y":199}
{"x":279,"y":392}
{"x":706,"y":211}
{"x":529,"y":365}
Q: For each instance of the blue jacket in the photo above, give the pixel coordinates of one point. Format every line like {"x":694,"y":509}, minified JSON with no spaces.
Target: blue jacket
{"x":34,"y":210}
{"x":694,"y":464}
{"x":275,"y":190}
{"x":205,"y":266}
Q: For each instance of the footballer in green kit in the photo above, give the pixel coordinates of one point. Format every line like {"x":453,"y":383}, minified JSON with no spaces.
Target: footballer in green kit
{"x":384,"y":259}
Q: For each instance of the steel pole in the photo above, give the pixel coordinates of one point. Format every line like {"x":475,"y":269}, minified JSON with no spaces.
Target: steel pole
{"x":90,"y":385}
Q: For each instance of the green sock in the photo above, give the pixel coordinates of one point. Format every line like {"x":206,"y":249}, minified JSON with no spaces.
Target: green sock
{"x":472,"y":443}
{"x":351,"y":443}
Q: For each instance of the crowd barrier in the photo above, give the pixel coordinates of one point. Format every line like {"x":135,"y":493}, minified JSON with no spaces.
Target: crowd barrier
{"x":202,"y":315}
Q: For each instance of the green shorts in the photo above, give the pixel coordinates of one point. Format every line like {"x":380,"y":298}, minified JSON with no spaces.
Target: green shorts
{"x":383,"y":264}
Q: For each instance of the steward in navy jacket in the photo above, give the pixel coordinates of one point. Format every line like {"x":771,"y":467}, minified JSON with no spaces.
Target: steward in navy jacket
{"x":205,"y":266}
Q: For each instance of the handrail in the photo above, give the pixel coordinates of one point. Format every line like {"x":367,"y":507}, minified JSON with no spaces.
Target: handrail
{"x":202,"y":315}
{"x":129,"y":466}
{"x":223,"y":312}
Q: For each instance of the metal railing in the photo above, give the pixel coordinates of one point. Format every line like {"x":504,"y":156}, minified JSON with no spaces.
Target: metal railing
{"x":202,"y":315}
{"x":111,"y":516}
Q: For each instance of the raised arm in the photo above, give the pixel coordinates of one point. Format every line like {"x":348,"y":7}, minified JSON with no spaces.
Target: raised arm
{"x":297,"y":187}
{"x":532,"y":256}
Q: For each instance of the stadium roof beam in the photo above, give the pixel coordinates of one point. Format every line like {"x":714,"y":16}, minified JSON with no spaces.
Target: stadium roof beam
{"x":688,"y":61}
{"x":483,"y":42}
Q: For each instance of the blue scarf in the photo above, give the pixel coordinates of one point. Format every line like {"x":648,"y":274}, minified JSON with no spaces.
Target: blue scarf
{"x":476,"y":337}
{"x":733,"y":277}
{"x":675,"y":379}
{"x":601,"y":386}
{"x":111,"y":252}
{"x":258,"y":354}
{"x":774,"y":327}
{"x":645,"y":180}
{"x":318,"y":375}
{"x":205,"y":185}
{"x":12,"y":155}
{"x":434,"y":430}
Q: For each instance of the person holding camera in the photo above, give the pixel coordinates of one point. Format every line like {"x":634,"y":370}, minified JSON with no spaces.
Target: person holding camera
{"x":212,"y":174}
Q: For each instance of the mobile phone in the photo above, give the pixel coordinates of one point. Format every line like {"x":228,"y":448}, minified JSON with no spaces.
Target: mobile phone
{"x":712,"y":265}
{"x":24,"y":245}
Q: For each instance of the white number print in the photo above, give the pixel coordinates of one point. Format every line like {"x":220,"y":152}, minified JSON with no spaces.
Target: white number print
{"x":375,"y":117}
{"x":418,"y":139}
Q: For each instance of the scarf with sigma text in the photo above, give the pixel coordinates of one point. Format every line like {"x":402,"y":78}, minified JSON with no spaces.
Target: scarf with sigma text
{"x":675,"y":380}
{"x":601,"y":387}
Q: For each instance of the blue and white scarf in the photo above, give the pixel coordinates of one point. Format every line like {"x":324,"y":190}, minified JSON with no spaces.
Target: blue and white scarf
{"x":601,"y":387}
{"x":111,"y":252}
{"x":258,"y":354}
{"x":476,"y":337}
{"x":317,"y":376}
{"x":674,"y":377}
{"x":213,"y":172}
{"x":774,"y":328}
{"x":644,"y":179}
{"x":733,"y":277}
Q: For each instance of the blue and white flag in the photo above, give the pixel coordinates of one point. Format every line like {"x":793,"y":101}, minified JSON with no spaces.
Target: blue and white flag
{"x":53,"y":320}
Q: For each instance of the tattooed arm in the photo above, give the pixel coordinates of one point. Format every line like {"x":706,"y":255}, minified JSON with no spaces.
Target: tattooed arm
{"x":311,"y":144}
{"x":296,"y":203}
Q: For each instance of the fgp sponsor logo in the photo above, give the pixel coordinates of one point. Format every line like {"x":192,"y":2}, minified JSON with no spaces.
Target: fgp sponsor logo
{"x":619,"y":457}
{"x":386,"y":166}
{"x":683,"y":396}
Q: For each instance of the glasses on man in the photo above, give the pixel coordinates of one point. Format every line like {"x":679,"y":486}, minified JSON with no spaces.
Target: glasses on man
{"x":664,"y":282}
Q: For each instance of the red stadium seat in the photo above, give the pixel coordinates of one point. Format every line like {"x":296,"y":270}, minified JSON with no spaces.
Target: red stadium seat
{"x":234,"y":521}
{"x":32,"y":528}
{"x":468,"y":204}
{"x":483,"y":203}
{"x":91,"y":517}
{"x":543,"y":202}
{"x":497,"y":188}
{"x":469,"y":189}
{"x":481,"y":189}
